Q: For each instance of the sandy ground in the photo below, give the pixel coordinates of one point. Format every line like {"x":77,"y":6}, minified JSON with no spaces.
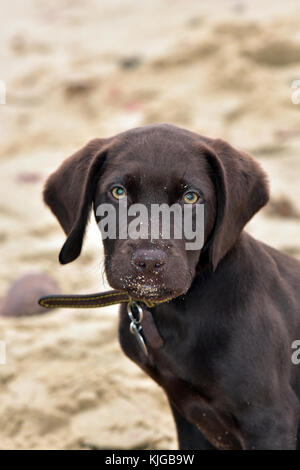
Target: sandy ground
{"x":81,"y":69}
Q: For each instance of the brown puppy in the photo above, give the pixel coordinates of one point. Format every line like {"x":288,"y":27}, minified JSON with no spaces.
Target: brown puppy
{"x":228,"y":331}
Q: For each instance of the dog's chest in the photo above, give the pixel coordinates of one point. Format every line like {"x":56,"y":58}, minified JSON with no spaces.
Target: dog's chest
{"x":172,"y":371}
{"x":163,"y":357}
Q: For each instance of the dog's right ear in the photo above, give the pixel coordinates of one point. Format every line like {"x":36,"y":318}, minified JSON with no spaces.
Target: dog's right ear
{"x":69,"y":194}
{"x":241,"y":190}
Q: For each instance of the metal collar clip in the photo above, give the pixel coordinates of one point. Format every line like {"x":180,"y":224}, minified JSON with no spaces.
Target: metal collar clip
{"x":135,"y":313}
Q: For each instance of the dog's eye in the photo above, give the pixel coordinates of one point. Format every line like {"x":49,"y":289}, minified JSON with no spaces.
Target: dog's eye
{"x":190,"y":197}
{"x":118,"y":192}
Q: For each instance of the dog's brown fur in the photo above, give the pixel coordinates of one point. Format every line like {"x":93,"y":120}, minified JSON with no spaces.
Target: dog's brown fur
{"x":226,"y":362}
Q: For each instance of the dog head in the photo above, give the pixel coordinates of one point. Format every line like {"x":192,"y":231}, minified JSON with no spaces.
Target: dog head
{"x":154,"y":165}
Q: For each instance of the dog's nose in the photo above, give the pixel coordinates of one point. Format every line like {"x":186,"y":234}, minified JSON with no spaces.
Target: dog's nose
{"x":149,"y":261}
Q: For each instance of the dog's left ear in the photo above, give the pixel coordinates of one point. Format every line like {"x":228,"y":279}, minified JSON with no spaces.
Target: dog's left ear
{"x":241,"y":190}
{"x":69,"y":193}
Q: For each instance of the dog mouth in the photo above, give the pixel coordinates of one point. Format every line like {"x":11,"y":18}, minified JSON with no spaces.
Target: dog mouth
{"x":140,"y":288}
{"x":149,"y":292}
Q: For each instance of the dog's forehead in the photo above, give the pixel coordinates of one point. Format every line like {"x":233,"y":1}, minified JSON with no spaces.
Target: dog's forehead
{"x":155,"y":139}
{"x":157,"y":152}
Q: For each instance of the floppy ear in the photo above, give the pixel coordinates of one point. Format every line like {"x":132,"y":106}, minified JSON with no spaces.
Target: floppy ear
{"x":241,"y":190}
{"x":69,"y":194}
